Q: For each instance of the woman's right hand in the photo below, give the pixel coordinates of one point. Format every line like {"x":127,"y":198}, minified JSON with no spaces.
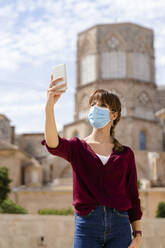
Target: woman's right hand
{"x":52,"y":92}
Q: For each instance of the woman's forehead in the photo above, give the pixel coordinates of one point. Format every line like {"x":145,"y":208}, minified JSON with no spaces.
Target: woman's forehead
{"x":99,"y":101}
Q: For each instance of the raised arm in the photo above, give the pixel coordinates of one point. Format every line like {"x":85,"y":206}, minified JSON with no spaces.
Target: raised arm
{"x":53,"y":94}
{"x":55,"y":144}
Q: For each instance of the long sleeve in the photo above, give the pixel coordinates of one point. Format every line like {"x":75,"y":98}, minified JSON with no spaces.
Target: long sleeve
{"x":65,"y":148}
{"x":134,"y":213}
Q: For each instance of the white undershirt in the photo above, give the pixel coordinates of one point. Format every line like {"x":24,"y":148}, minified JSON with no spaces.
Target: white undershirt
{"x":103,"y":158}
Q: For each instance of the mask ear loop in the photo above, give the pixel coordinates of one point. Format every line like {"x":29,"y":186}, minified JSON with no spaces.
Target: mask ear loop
{"x":112,"y":119}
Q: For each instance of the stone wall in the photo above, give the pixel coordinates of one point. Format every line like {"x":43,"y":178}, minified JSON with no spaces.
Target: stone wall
{"x":58,"y":231}
{"x":61,"y":197}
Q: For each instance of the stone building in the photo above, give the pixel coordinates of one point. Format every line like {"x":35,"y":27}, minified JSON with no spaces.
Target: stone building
{"x":23,"y":168}
{"x":119,"y":57}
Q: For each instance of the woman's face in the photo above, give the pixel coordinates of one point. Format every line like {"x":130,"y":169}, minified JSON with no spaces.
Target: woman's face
{"x":100,"y":104}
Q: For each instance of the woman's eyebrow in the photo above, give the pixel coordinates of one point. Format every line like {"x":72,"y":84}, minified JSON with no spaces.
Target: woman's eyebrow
{"x":101,"y":103}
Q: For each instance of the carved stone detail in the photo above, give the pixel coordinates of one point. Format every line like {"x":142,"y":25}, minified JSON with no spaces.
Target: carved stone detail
{"x":143,"y":98}
{"x":112,"y":42}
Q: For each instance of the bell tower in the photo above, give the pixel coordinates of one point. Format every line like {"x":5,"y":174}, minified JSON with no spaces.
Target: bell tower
{"x":119,"y":57}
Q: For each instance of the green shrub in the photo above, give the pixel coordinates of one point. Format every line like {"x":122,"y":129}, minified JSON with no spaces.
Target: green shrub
{"x":1,"y":210}
{"x":4,"y":183}
{"x":54,"y":211}
{"x":139,"y":184}
{"x":6,"y":204}
{"x":10,"y":207}
{"x":160,"y":213}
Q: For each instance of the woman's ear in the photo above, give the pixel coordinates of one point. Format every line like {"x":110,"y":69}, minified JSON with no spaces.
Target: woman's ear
{"x":115,"y":115}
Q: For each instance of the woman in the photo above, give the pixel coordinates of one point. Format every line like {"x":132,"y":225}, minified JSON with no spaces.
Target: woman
{"x":105,"y":191}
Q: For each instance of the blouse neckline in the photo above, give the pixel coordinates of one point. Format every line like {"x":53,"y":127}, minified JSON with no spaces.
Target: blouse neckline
{"x":95,"y":154}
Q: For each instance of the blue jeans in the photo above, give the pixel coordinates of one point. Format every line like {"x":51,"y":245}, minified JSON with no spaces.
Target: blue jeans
{"x":102,"y":227}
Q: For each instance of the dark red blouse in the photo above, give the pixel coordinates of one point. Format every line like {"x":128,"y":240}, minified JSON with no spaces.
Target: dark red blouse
{"x":113,"y":184}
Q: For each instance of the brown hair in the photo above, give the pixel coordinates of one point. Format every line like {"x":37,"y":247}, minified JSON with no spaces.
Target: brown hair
{"x":107,"y":97}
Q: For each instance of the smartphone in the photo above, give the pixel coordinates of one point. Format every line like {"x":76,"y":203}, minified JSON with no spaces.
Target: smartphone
{"x":60,"y":71}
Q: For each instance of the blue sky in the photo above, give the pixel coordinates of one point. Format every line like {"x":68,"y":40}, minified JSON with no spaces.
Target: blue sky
{"x":37,"y":34}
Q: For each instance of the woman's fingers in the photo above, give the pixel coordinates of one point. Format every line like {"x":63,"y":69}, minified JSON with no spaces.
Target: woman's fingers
{"x":56,"y":87}
{"x":54,"y":90}
{"x":56,"y":93}
{"x":51,"y":78}
{"x":53,"y":82}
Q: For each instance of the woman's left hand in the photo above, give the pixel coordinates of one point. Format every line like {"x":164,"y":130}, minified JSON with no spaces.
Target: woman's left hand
{"x":136,"y":242}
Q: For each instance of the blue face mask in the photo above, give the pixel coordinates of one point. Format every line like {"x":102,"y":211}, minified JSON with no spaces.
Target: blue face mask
{"x":98,"y":116}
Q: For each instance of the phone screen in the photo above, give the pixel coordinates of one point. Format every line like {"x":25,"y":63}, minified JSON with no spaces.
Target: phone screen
{"x":60,"y":71}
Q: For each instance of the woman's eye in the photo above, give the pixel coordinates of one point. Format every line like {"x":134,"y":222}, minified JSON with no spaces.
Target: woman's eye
{"x":103,"y":105}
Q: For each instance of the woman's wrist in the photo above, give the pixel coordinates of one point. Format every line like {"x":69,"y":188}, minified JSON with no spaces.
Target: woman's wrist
{"x":138,"y":236}
{"x":49,"y":106}
{"x":137,"y":233}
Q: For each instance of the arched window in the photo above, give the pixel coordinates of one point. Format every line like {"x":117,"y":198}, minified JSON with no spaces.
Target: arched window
{"x":88,"y":69}
{"x":35,"y":177}
{"x":113,"y":64}
{"x":113,"y":57}
{"x":140,"y":66}
{"x":142,"y":140}
{"x":51,"y":173}
{"x":83,"y":107}
{"x":22,"y":175}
